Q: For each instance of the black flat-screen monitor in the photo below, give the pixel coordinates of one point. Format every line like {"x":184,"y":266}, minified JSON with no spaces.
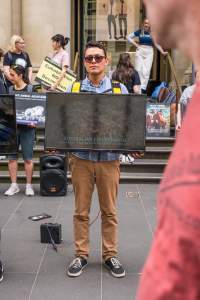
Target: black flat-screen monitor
{"x":105,"y":122}
{"x":8,"y":134}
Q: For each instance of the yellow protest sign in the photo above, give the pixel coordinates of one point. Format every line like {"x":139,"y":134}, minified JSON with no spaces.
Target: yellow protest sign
{"x":49,"y":73}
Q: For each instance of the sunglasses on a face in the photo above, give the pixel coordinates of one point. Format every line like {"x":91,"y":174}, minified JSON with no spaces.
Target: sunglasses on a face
{"x":96,"y":58}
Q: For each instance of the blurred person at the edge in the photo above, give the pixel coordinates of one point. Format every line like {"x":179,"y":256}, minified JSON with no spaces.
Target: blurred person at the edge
{"x":60,"y":56}
{"x":185,"y":100}
{"x":172,"y":270}
{"x":144,"y":52}
{"x":126,"y":74}
{"x":16,"y":56}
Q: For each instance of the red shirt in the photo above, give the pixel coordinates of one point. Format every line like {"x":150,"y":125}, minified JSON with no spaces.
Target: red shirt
{"x":172,"y":270}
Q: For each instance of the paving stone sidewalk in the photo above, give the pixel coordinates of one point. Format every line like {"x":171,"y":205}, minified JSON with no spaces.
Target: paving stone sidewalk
{"x":34,"y":271}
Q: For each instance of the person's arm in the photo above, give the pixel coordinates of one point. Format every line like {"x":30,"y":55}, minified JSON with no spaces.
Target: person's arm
{"x":131,"y":39}
{"x":65,"y":65}
{"x":136,"y":83}
{"x":62,"y":75}
{"x":30,"y":74}
{"x":6,"y":71}
{"x":160,"y":49}
{"x":137,"y":89}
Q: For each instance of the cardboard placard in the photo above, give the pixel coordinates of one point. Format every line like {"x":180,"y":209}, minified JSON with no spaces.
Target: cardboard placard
{"x":49,"y":73}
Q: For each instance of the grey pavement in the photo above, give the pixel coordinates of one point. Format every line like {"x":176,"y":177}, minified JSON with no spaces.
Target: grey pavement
{"x":34,"y":271}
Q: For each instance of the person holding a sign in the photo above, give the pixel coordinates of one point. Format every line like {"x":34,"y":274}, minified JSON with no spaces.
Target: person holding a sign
{"x":95,"y":167}
{"x":25,"y":137}
{"x":60,"y":56}
{"x":17,"y":56}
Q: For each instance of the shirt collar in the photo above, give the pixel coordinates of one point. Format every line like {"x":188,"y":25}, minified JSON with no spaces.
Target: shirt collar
{"x":88,"y":81}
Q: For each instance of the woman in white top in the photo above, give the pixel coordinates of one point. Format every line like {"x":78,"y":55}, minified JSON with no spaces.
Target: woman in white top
{"x":60,"y":55}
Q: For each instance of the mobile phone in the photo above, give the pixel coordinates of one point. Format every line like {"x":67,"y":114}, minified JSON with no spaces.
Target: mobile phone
{"x":39,"y":217}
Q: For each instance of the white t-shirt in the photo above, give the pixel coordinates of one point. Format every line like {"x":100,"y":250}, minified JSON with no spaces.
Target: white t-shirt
{"x":187,"y":94}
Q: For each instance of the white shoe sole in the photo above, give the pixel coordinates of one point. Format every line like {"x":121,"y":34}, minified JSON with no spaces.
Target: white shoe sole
{"x":29,"y":195}
{"x":115,"y":275}
{"x":12,"y":193}
{"x":77,"y":274}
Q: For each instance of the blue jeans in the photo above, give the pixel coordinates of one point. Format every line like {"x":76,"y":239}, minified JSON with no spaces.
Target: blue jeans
{"x":25,"y":138}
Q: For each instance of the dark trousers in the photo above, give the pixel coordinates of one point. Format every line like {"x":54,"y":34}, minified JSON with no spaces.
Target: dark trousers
{"x":112,"y":21}
{"x":123,"y":20}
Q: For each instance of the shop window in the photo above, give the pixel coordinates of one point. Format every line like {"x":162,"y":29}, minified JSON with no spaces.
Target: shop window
{"x":110,"y":21}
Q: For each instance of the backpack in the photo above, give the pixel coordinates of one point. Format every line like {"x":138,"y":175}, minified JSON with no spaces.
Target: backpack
{"x":156,"y":91}
{"x":116,"y":87}
{"x":29,"y":89}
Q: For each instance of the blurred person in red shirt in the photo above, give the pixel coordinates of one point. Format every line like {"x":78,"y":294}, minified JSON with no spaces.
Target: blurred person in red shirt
{"x":172,"y":269}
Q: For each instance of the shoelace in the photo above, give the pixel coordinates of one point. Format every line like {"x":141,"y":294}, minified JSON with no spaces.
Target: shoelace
{"x":76,"y":263}
{"x":115,"y":262}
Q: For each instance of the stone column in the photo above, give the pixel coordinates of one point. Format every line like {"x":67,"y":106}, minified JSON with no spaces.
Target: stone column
{"x":5,"y":23}
{"x":41,"y":20}
{"x":16,"y":19}
{"x":183,"y":67}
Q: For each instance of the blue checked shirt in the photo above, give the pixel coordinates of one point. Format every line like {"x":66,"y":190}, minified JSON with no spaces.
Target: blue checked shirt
{"x":104,"y":86}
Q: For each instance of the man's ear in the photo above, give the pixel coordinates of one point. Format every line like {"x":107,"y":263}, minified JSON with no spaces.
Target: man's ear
{"x":107,"y":61}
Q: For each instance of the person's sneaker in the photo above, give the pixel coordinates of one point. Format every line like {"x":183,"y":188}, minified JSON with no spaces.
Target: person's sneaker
{"x":29,"y":190}
{"x":126,"y":159}
{"x":1,"y":271}
{"x":76,"y":267}
{"x":115,"y":267}
{"x":13,"y":189}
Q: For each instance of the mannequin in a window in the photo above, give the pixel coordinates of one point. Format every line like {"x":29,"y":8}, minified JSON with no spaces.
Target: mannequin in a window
{"x":122,"y":19}
{"x":112,"y":21}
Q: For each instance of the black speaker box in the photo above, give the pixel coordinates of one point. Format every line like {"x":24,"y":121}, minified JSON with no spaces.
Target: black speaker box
{"x":53,"y":175}
{"x":50,"y":231}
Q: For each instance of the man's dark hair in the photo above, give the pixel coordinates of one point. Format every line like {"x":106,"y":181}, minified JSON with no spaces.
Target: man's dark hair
{"x":93,"y":44}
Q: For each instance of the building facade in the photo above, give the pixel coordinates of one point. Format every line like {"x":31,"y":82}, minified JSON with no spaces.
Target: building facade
{"x":108,"y":21}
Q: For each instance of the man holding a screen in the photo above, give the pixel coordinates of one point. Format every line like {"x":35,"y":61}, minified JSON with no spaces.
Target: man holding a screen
{"x":94,"y":167}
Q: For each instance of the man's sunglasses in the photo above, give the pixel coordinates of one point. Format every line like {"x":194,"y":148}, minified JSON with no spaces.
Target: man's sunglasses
{"x":96,"y":58}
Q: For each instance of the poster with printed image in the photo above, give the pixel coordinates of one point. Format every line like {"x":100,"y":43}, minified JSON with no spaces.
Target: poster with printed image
{"x":157,"y":120}
{"x":115,"y":19}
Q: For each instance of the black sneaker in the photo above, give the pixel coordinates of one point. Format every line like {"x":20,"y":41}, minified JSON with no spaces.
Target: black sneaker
{"x":115,"y":267}
{"x":1,"y":271}
{"x":76,"y":267}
